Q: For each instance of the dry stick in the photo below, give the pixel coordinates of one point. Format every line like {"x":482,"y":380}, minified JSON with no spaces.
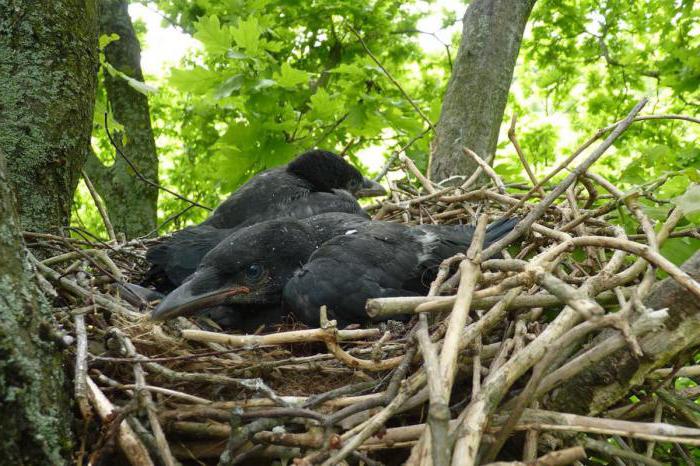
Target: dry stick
{"x":532,"y":418}
{"x":296,"y":336}
{"x":385,"y":169}
{"x":391,"y":78}
{"x":98,"y":298}
{"x":528,"y":394}
{"x":612,"y":344}
{"x":611,"y":450}
{"x":81,"y":366}
{"x":366,"y":430}
{"x":441,"y":372}
{"x":584,"y":305}
{"x":487,"y":168}
{"x":541,"y":208}
{"x":687,"y":371}
{"x":346,"y":358}
{"x":633,"y":206}
{"x":474,"y":417}
{"x":658,"y":414}
{"x":130,"y":444}
{"x":469,"y":269}
{"x":387,"y":307}
{"x":435,"y":437}
{"x":521,"y":155}
{"x":645,"y":252}
{"x":554,"y":458}
{"x":432,"y":363}
{"x":587,"y":144}
{"x":145,"y":396}
{"x":644,"y":324}
{"x":417,"y":173}
{"x":100,"y":206}
{"x":531,"y":440}
{"x":165,"y":391}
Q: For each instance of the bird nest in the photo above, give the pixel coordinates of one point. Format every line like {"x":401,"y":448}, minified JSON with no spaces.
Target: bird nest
{"x":503,"y":330}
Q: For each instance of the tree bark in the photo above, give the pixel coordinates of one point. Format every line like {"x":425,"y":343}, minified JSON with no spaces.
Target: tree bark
{"x":597,"y":388}
{"x":131,"y":203}
{"x":473,"y":106}
{"x":35,"y":412}
{"x":48,"y":61}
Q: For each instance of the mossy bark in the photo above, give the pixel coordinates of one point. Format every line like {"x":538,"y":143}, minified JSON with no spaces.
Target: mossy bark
{"x":473,"y":106}
{"x":35,"y":407}
{"x":48,"y":61}
{"x":599,"y":387}
{"x":131,"y":203}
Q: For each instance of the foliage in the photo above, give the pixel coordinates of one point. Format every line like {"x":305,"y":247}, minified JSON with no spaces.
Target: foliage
{"x":273,"y":78}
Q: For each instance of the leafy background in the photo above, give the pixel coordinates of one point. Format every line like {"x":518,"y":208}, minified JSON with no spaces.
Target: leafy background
{"x":274,"y":78}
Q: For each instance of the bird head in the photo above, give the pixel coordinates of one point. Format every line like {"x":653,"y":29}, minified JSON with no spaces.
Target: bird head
{"x":327,"y":171}
{"x":250,"y":267}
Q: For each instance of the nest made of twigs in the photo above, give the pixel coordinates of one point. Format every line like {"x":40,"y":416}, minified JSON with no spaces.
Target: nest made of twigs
{"x":495,"y":335}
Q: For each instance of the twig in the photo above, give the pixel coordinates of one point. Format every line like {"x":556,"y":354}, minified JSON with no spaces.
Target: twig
{"x":487,"y":168}
{"x":539,"y":210}
{"x":128,"y":441}
{"x":100,"y":207}
{"x":297,"y":336}
{"x":413,"y":169}
{"x":80,"y":379}
{"x":521,"y":155}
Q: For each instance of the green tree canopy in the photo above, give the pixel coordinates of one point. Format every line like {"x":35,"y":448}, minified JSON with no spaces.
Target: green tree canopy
{"x":273,"y":78}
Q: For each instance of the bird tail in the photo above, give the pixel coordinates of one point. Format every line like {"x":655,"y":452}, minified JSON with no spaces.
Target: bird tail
{"x":499,"y":229}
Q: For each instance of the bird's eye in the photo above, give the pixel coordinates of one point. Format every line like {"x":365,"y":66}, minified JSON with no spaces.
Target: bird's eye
{"x":253,"y":272}
{"x":354,"y":184}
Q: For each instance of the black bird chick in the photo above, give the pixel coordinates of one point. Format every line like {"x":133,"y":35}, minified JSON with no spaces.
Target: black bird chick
{"x":315,"y":182}
{"x":385,"y":260}
{"x":250,"y":267}
{"x":317,"y":262}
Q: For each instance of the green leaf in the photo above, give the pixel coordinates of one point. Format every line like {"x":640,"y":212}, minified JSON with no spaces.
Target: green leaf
{"x":236,"y":55}
{"x":198,"y":80}
{"x":105,"y":40}
{"x":137,"y":85}
{"x":290,"y":77}
{"x":673,"y":187}
{"x":263,"y":84}
{"x":247,"y":35}
{"x":678,"y":250}
{"x":229,"y":86}
{"x":689,"y":202}
{"x":216,"y":40}
{"x":323,"y":106}
{"x":349,"y":68}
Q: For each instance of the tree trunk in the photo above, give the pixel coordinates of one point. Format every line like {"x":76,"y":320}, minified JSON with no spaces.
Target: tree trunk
{"x":131,"y":203}
{"x":48,"y":61}
{"x":597,"y":388}
{"x":476,"y":95}
{"x":35,"y":412}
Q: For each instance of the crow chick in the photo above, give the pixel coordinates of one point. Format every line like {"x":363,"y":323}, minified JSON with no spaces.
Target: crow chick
{"x":250,"y":267}
{"x":385,"y":260}
{"x":300,"y":265}
{"x":313,"y":183}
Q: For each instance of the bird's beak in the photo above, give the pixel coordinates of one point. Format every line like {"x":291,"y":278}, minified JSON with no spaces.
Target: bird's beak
{"x":182,"y":302}
{"x":370,"y":188}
